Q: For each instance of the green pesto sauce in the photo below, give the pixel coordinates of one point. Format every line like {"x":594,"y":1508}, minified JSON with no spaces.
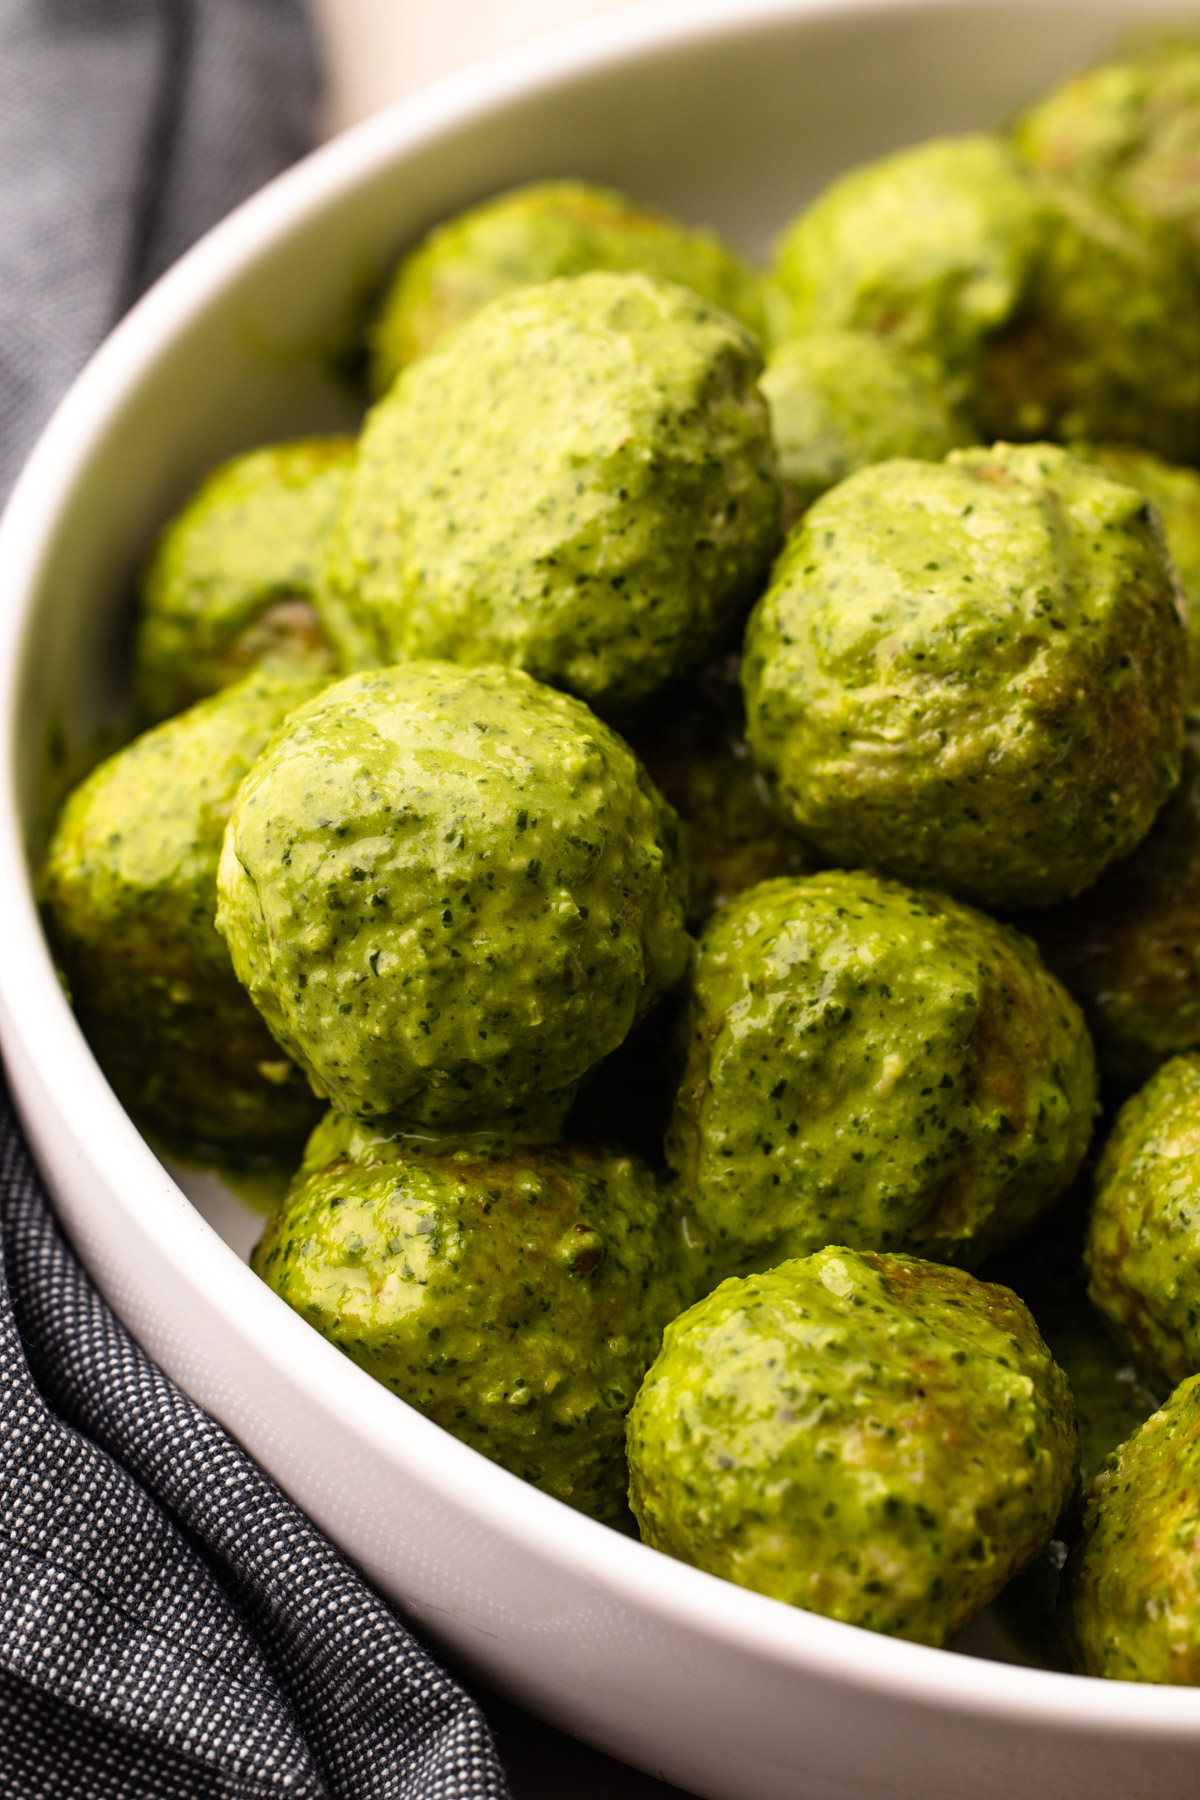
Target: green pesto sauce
{"x":580,"y":482}
{"x":972,"y":673}
{"x":881,"y":1440}
{"x":231,"y":580}
{"x":1108,"y":344}
{"x":535,"y":234}
{"x":515,"y":1299}
{"x":934,"y":247}
{"x":841,"y":400}
{"x":450,"y":892}
{"x":1143,"y":1248}
{"x":129,"y":891}
{"x":1054,"y":315}
{"x":1129,"y":947}
{"x":1131,"y":1592}
{"x":871,"y":1064}
{"x":1128,"y":131}
{"x":1174,"y":494}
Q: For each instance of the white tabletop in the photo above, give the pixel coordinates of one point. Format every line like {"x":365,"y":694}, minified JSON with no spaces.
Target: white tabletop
{"x":377,"y":50}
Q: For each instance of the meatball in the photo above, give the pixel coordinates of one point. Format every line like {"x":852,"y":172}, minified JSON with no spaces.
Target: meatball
{"x":1174,"y":494}
{"x":1129,"y":948}
{"x":1131,"y":1593}
{"x":1143,"y":1245}
{"x":871,"y":1437}
{"x":450,"y":892}
{"x":1128,"y":131}
{"x":875,"y":1066}
{"x":129,"y":891}
{"x":933,"y":247}
{"x":535,"y":234}
{"x":841,"y":400}
{"x":515,"y":1299}
{"x":580,"y":482}
{"x":231,"y":581}
{"x":1054,"y":315}
{"x":971,"y":673}
{"x":1108,"y":344}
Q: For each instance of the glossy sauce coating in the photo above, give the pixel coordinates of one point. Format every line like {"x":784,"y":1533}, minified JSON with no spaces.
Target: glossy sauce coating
{"x":871,"y":1437}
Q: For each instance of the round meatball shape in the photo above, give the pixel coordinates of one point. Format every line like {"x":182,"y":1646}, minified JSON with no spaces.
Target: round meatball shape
{"x":972,"y":673}
{"x":516,"y":1300}
{"x":230,"y":584}
{"x":129,"y":888}
{"x":535,"y":234}
{"x":875,"y":1438}
{"x":580,"y":483}
{"x":841,"y":400}
{"x":934,"y":247}
{"x":1131,"y":1592}
{"x":449,"y":892}
{"x":875,"y":1066}
{"x":1129,"y":132}
{"x":1143,"y":1245}
{"x":1054,"y":315}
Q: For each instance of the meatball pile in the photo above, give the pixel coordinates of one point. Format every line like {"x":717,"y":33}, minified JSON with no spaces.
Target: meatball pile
{"x":680,"y":845}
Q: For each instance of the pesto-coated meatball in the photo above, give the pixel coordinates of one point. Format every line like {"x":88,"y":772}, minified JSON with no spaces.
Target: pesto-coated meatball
{"x":534,"y":234}
{"x":1108,"y":343}
{"x":231,"y":580}
{"x":1143,"y":1246}
{"x":1131,"y":1593}
{"x":1174,"y":494}
{"x":450,"y":892}
{"x":515,"y":1299}
{"x":972,"y":673}
{"x":1113,"y":1391}
{"x":841,"y":400}
{"x":933,"y":247}
{"x":1129,"y":947}
{"x":1128,"y":131}
{"x":1055,"y":316}
{"x":580,"y":482}
{"x":876,"y":1066}
{"x":129,"y":889}
{"x":871,"y":1437}
{"x":697,"y":755}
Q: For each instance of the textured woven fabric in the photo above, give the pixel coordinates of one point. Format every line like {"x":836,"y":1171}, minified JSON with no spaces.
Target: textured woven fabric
{"x":170,"y":1625}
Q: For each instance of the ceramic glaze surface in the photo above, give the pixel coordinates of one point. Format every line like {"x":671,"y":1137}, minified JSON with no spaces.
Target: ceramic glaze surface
{"x":726,"y":112}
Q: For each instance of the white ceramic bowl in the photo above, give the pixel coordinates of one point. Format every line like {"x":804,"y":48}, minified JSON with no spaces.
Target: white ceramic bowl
{"x":731,"y":111}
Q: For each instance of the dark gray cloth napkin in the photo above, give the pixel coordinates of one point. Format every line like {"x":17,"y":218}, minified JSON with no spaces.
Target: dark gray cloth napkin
{"x":171,"y":1627}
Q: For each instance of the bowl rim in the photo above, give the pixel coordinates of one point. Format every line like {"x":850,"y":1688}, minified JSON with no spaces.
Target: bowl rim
{"x":36,"y":1017}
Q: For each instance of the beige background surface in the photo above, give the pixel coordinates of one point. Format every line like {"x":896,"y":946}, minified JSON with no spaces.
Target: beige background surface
{"x":377,"y":50}
{"x":380,"y":49}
